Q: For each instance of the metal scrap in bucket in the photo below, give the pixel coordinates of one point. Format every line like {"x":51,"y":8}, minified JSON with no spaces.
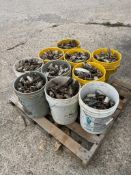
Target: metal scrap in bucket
{"x":51,"y":55}
{"x":68,"y":45}
{"x":98,"y":100}
{"x":28,"y":65}
{"x":106,"y":57}
{"x":30,"y":83}
{"x":55,"y":69}
{"x":63,"y":91}
{"x":88,"y":72}
{"x":77,"y":57}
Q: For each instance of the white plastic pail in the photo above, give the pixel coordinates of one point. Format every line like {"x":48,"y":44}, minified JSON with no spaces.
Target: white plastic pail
{"x":64,"y":111}
{"x":94,"y":120}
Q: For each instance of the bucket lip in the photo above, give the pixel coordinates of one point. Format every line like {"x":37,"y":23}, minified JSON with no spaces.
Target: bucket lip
{"x":31,"y":93}
{"x":50,"y":48}
{"x":106,"y":49}
{"x":98,"y":110}
{"x":61,"y":99}
{"x":27,"y":58}
{"x":77,"y":50}
{"x":62,"y":61}
{"x":92,"y":63}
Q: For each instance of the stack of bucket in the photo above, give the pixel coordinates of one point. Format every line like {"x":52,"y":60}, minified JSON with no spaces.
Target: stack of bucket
{"x":65,"y":111}
{"x":110,"y":67}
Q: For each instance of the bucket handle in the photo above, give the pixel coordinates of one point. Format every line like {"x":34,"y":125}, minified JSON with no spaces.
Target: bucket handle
{"x":107,"y":123}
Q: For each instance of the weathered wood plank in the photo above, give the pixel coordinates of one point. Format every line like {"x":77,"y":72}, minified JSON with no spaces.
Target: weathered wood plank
{"x":75,"y":127}
{"x":121,"y":84}
{"x":66,"y":140}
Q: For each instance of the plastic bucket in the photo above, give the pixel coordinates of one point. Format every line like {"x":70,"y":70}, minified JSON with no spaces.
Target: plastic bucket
{"x":23,"y":60}
{"x":64,"y":111}
{"x":48,"y":49}
{"x":92,"y":120}
{"x":110,"y":67}
{"x":98,"y":66}
{"x":71,"y":51}
{"x":33,"y":103}
{"x":58,"y":62}
{"x":67,"y":41}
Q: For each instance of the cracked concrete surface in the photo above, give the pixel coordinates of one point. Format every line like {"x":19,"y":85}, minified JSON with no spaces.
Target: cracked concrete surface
{"x":25,"y":28}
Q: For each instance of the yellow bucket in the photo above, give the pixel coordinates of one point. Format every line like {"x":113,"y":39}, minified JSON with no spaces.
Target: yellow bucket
{"x":71,"y":51}
{"x":67,"y":40}
{"x":96,"y":65}
{"x":110,"y":67}
{"x":48,"y":49}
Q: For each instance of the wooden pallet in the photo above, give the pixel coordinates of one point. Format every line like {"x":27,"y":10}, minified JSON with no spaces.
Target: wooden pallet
{"x":67,"y":138}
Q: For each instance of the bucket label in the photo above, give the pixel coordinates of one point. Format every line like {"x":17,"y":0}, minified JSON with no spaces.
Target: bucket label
{"x":89,"y":123}
{"x":90,"y":119}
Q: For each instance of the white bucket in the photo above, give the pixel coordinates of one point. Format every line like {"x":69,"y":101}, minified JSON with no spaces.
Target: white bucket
{"x":64,"y":111}
{"x":92,"y":120}
{"x":15,"y":66}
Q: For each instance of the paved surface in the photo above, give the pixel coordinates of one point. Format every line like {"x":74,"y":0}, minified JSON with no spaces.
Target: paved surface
{"x":25,"y":28}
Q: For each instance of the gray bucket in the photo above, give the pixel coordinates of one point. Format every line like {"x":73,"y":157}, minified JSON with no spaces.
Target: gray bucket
{"x":34,"y":103}
{"x":58,"y":62}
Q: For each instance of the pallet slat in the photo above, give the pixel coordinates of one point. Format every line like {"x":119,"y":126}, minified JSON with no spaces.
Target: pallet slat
{"x":63,"y":138}
{"x":75,"y":127}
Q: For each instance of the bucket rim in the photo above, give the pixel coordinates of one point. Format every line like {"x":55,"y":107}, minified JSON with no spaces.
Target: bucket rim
{"x":96,"y":111}
{"x":61,"y":99}
{"x":27,"y":58}
{"x":69,"y":39}
{"x":31,"y":93}
{"x":50,"y":48}
{"x":101,"y":68}
{"x":104,"y":63}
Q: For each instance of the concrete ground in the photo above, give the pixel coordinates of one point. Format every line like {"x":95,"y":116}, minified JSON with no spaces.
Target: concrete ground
{"x":25,"y":28}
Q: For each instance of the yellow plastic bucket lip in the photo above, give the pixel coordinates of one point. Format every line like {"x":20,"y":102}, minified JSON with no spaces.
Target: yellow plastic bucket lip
{"x":41,"y":52}
{"x":77,"y":50}
{"x":66,"y":40}
{"x":97,"y":65}
{"x":116,"y":63}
